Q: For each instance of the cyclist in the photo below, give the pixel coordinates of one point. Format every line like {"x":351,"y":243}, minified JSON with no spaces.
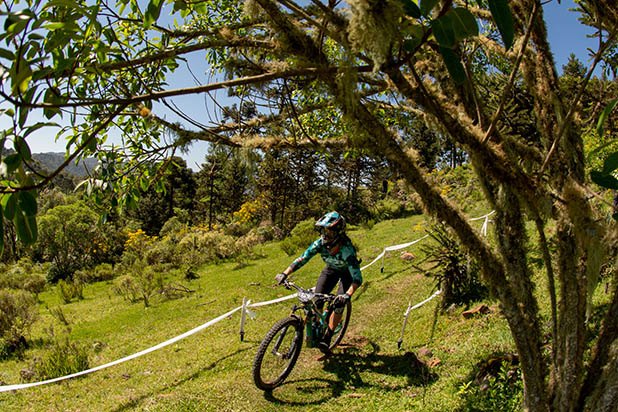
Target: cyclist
{"x":342,"y":266}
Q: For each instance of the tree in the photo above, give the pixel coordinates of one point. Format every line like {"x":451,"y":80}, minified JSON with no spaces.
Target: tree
{"x":323,"y":72}
{"x":157,"y":205}
{"x":67,"y":236}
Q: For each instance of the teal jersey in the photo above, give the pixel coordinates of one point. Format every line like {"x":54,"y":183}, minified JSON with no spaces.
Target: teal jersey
{"x":340,"y":257}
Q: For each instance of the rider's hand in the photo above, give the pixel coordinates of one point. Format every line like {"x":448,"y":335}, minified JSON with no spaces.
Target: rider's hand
{"x":280,"y":278}
{"x":340,"y":300}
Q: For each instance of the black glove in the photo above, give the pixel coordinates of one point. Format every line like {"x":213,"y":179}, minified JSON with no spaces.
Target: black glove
{"x":280,"y":278}
{"x":340,"y":300}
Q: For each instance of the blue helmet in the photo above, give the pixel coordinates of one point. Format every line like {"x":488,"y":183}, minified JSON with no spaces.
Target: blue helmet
{"x":331,"y":227}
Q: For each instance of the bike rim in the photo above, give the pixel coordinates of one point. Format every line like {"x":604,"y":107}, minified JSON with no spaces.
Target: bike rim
{"x":279,"y":355}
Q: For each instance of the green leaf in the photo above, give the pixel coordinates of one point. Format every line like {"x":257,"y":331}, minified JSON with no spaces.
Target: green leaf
{"x":411,"y":8}
{"x":501,"y":12}
{"x":9,"y":205}
{"x":7,"y":54}
{"x":443,"y":31}
{"x":610,"y":106}
{"x":32,"y":225}
{"x":427,"y":6}
{"x":12,"y":162}
{"x":411,"y":44}
{"x":152,"y":12}
{"x":144,"y":184}
{"x":22,"y":148}
{"x":604,"y":180}
{"x":464,"y":23}
{"x":453,"y":64}
{"x":27,"y":203}
{"x":54,"y":26}
{"x":21,"y":81}
{"x":610,"y":164}
{"x":26,"y":228}
{"x":1,"y":233}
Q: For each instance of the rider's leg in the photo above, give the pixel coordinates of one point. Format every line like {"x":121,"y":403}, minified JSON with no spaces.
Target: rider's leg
{"x":336,"y":316}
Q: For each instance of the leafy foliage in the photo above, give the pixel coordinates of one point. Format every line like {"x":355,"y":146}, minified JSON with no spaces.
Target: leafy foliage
{"x":17,"y":314}
{"x":455,"y":271}
{"x":64,"y":358}
{"x":502,"y":392}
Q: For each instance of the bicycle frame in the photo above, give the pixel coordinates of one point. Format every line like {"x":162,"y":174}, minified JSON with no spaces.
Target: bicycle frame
{"x":313,"y":321}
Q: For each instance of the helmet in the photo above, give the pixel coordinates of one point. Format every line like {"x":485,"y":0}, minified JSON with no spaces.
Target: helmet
{"x":331,"y":227}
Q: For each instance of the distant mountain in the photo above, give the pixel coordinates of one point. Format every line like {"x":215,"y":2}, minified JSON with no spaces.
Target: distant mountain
{"x":50,"y":162}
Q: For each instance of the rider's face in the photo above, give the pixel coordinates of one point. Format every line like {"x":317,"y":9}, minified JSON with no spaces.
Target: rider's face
{"x":329,"y":235}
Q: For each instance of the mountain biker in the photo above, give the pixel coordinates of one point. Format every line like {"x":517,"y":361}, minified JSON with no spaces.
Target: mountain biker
{"x":342,"y":266}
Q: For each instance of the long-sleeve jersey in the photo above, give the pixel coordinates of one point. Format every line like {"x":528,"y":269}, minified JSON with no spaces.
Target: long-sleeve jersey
{"x":342,"y":256}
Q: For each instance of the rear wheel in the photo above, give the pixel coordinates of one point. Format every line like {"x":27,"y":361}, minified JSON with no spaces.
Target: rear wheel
{"x":278,"y":353}
{"x":339,"y":331}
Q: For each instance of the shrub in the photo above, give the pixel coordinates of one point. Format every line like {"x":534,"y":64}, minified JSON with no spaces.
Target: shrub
{"x":35,"y":284}
{"x":160,"y":252}
{"x":140,"y":284}
{"x":67,"y":234}
{"x":503,"y":392}
{"x":455,"y":272}
{"x":126,"y":287}
{"x":65,"y":358}
{"x":103,"y":272}
{"x":300,"y":237}
{"x":17,"y":278}
{"x":17,"y":314}
{"x":289,"y":246}
{"x":69,"y":290}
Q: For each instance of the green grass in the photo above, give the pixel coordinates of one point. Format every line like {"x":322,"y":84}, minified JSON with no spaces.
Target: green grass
{"x":211,"y":370}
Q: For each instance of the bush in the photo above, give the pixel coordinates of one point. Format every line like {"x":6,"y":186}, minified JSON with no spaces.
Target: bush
{"x":140,"y":284}
{"x":17,"y":314}
{"x":503,"y":392}
{"x":35,"y":284}
{"x":68,"y":290}
{"x":18,"y":278}
{"x":65,"y":358}
{"x":160,"y":252}
{"x":126,"y":287}
{"x":103,"y":272}
{"x":300,"y":237}
{"x":456,"y":273}
{"x":289,"y":246}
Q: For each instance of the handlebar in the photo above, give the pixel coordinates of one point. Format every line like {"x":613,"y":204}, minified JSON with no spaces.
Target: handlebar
{"x":290,"y":285}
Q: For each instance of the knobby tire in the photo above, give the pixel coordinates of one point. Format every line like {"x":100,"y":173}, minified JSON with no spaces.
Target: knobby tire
{"x":270,"y":369}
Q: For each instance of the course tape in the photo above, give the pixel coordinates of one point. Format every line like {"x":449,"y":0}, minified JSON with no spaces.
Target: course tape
{"x":244,"y":311}
{"x":410,"y":309}
{"x":116,"y":362}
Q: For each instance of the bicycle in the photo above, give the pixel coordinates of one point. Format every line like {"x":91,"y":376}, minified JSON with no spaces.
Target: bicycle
{"x":279,"y":350}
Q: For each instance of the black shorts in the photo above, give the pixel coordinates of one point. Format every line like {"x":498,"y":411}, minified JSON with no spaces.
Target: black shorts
{"x":328,"y":280}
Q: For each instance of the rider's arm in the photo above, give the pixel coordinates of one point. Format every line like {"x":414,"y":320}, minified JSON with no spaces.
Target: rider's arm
{"x":349,"y":255}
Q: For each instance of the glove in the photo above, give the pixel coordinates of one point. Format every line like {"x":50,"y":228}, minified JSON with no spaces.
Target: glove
{"x":280,"y":278}
{"x":340,"y":300}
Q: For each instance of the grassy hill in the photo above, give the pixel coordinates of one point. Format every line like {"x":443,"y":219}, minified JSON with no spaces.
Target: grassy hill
{"x":211,"y":370}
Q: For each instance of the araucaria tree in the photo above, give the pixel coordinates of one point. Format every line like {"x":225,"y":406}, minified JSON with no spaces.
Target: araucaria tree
{"x":333,"y":74}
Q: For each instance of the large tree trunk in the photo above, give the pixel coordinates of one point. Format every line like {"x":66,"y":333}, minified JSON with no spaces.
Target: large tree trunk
{"x":550,"y":187}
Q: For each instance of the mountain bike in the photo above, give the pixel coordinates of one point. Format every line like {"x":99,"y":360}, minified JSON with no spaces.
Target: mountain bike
{"x":281,"y":346}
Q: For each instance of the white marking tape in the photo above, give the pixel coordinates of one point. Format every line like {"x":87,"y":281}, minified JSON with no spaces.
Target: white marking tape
{"x":411,"y":308}
{"x":116,"y":362}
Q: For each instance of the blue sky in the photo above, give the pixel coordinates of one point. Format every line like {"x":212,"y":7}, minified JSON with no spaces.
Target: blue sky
{"x":566,"y":36}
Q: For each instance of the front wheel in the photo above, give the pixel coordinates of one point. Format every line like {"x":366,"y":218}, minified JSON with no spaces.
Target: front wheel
{"x":339,"y":331}
{"x":278,"y":353}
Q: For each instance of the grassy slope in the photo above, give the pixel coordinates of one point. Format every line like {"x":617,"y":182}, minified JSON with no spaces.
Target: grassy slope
{"x":211,"y":371}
